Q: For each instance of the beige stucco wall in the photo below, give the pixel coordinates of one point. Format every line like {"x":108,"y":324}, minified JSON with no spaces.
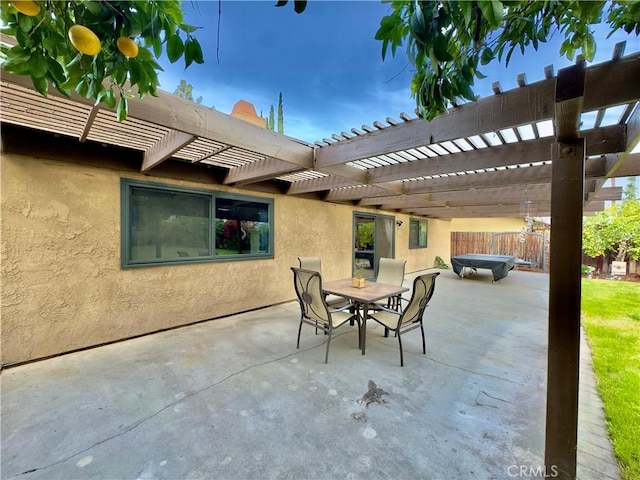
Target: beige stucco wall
{"x":63,"y":287}
{"x":438,"y":244}
{"x":508,"y":224}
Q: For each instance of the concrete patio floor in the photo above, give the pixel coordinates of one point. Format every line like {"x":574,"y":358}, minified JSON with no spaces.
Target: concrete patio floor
{"x":234,"y":399}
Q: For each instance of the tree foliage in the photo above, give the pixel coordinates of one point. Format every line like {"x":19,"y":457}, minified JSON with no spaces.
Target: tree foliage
{"x":185,"y":90}
{"x":448,"y":41}
{"x":271,"y":119}
{"x":44,"y":50}
{"x":280,"y":115}
{"x":271,"y":122}
{"x":615,"y":230}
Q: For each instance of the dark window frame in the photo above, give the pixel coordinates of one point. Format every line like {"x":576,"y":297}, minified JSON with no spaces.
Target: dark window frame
{"x":415,"y":242}
{"x":126,"y":187}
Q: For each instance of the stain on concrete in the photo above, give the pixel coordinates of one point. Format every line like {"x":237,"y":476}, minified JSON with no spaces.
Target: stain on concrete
{"x":373,"y":395}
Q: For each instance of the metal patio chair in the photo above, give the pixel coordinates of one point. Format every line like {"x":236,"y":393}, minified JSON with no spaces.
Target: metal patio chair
{"x":313,"y":263}
{"x":391,"y":271}
{"x":410,"y":317}
{"x":314,"y":310}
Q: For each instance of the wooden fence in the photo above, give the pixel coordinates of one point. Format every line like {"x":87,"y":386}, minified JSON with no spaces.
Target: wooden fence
{"x":534,"y":248}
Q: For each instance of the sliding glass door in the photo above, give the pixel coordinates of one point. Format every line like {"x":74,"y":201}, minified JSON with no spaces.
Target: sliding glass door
{"x":373,"y":238}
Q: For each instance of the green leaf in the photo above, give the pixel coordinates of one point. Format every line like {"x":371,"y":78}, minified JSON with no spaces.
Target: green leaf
{"x":41,"y":85}
{"x":123,"y":109}
{"x":299,"y":5}
{"x":467,"y":11}
{"x":75,"y":61}
{"x":385,"y":44}
{"x":175,"y":48}
{"x":134,"y":71}
{"x":440,"y":46}
{"x":144,"y":54}
{"x":92,"y":88}
{"x":21,"y":68}
{"x":388,"y":22}
{"x":94,"y":7}
{"x":120,"y":74}
{"x":192,"y":52}
{"x":465,"y":90}
{"x":491,"y":11}
{"x":56,"y":70}
{"x":50,"y":44}
{"x":188,"y":28}
{"x":487,"y":56}
{"x":281,"y":3}
{"x":589,"y":47}
{"x":434,"y":61}
{"x":542,"y":35}
{"x":157,"y":46}
{"x":143,"y":82}
{"x":18,"y":54}
{"x":37,"y":65}
{"x":24,"y":22}
{"x":110,"y":98}
{"x":467,"y":73}
{"x":417,"y":23}
{"x":188,"y":59}
{"x":24,"y":38}
{"x":508,"y":57}
{"x":480,"y":75}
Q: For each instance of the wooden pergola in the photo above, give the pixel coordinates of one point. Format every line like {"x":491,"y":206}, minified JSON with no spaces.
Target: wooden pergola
{"x":546,"y":144}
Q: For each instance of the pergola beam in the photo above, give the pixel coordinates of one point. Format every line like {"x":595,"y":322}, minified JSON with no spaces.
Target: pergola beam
{"x":612,"y":83}
{"x":259,"y":171}
{"x":599,"y":141}
{"x":524,"y":105}
{"x":167,"y":146}
{"x":89,"y":122}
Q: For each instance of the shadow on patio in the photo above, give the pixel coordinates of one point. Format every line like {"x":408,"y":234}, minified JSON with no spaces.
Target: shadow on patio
{"x":233,"y":398}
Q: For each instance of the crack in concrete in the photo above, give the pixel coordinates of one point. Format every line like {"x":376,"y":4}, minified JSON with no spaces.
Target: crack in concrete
{"x":477,"y":373}
{"x":480,"y":404}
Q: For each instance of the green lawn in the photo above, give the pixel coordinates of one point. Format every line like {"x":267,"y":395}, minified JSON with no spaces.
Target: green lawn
{"x":611,"y":318}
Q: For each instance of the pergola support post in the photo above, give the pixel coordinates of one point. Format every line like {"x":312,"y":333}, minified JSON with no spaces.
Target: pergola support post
{"x":567,"y":197}
{"x":564,"y":309}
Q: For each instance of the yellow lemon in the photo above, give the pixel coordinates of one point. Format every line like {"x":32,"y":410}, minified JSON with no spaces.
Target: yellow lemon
{"x":28,"y":7}
{"x":84,"y":40}
{"x":127,"y":47}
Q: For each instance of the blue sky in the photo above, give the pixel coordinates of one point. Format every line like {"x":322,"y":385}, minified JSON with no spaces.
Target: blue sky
{"x":326,"y":62}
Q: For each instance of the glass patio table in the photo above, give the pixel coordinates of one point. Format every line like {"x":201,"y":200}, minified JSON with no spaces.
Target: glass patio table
{"x":363,"y":297}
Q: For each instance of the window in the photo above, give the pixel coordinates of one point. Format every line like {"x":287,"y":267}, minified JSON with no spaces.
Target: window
{"x":164,"y":224}
{"x":417,"y":233}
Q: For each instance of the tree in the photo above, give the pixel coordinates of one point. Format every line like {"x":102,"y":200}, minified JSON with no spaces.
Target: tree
{"x":615,"y":230}
{"x":280,"y":115}
{"x":100,"y":49}
{"x":630,"y":190}
{"x":447,"y":40}
{"x":185,"y":90}
{"x":271,"y":120}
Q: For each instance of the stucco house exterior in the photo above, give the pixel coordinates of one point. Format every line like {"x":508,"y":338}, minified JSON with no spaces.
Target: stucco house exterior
{"x":64,"y":284}
{"x":181,"y":214}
